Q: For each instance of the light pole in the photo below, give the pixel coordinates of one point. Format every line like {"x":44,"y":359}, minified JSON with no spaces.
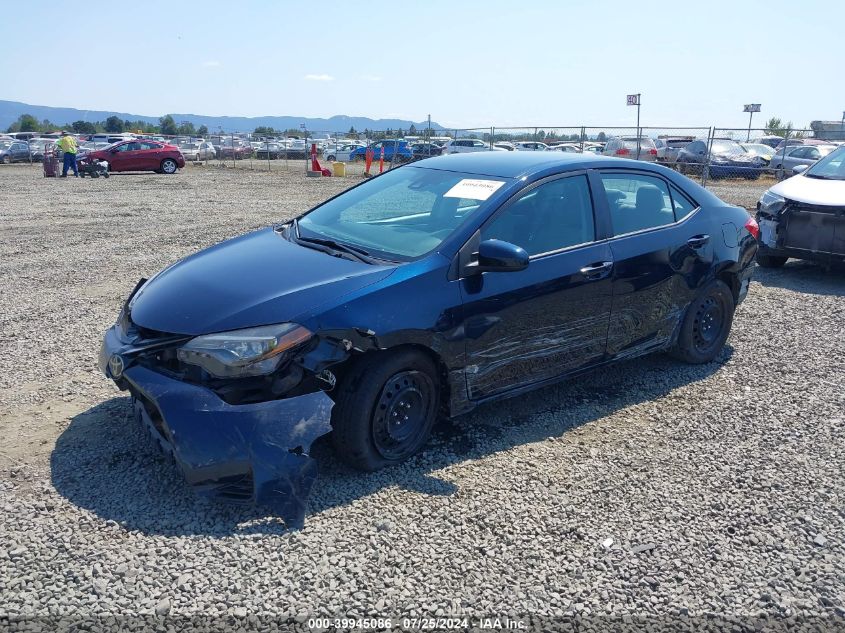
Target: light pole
{"x":635,"y":100}
{"x":751,"y":108}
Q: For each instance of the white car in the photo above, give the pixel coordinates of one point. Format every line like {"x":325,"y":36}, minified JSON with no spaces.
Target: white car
{"x":804,"y":216}
{"x":198,"y":150}
{"x":465,"y":145}
{"x":571,"y":148}
{"x":531,"y":146}
{"x":340,"y":152}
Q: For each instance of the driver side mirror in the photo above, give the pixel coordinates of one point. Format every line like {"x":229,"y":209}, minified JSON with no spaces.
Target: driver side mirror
{"x":799,"y":169}
{"x":498,"y":256}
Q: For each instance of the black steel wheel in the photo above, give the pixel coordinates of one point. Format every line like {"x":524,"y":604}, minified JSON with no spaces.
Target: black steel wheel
{"x":386,"y":406}
{"x":706,"y":325}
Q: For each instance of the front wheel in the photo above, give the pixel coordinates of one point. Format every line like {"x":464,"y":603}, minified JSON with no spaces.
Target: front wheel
{"x":706,"y":325}
{"x":169,"y":166}
{"x":331,"y":158}
{"x":386,"y":408}
{"x":7,"y":159}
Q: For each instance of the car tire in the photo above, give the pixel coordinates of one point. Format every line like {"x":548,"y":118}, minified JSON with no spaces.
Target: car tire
{"x":331,"y":158}
{"x":706,"y":324}
{"x":169,"y":166}
{"x":368,"y":433}
{"x":7,"y":160}
{"x":770,"y":261}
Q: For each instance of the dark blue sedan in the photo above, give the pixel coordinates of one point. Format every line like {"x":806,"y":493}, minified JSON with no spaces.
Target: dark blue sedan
{"x":421,"y":293}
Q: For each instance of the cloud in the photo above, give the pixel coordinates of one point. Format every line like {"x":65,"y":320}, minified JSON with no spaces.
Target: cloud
{"x":322,"y":77}
{"x":370,"y":77}
{"x":211,"y":64}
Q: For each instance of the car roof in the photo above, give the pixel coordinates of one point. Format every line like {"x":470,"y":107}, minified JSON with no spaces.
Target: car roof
{"x":517,"y":164}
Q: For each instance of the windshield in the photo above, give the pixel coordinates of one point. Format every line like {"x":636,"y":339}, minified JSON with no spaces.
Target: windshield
{"x":726,"y":147}
{"x":5,"y":144}
{"x":406,"y":213}
{"x":831,"y":167}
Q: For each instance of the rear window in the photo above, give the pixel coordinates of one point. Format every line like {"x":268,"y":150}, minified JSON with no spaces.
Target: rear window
{"x":644,"y":142}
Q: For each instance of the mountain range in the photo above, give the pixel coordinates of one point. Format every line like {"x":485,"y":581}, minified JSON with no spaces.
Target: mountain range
{"x":11,"y":110}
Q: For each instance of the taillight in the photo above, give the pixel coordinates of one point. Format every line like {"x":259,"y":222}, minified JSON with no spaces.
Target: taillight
{"x":653,"y":152}
{"x":752,"y":227}
{"x":622,"y":152}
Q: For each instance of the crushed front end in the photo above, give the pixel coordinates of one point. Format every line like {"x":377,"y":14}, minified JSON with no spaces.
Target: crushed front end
{"x":238,"y":411}
{"x":789,"y":228}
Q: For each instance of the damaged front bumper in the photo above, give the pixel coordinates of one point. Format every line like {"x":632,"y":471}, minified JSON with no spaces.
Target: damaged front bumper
{"x":804,"y":231}
{"x":256,"y":452}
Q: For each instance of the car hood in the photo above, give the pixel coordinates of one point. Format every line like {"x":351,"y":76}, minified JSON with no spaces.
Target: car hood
{"x":812,"y":190}
{"x":256,"y":279}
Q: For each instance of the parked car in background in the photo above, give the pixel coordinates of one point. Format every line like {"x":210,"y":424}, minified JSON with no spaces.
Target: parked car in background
{"x":771,"y":140}
{"x":804,"y":216}
{"x":198,"y":150}
{"x":393,"y":150}
{"x":787,"y":159}
{"x":341,"y":152}
{"x":14,"y":152}
{"x":628,"y":147}
{"x":571,"y":148}
{"x":236,"y":149}
{"x":139,"y":155}
{"x":37,"y":147}
{"x":468,"y":145}
{"x":505,"y":145}
{"x":669,"y":146}
{"x":764,"y":152}
{"x":425,"y":150}
{"x":530,"y":146}
{"x":799,"y":141}
{"x":92,"y":146}
{"x":422,"y":293}
{"x":726,"y":159}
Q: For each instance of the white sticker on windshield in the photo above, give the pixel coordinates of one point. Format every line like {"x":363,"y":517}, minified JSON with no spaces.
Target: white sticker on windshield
{"x":474,"y":189}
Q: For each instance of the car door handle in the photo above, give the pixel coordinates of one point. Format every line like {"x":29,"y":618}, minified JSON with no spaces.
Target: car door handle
{"x":597,"y":271}
{"x":698,"y":241}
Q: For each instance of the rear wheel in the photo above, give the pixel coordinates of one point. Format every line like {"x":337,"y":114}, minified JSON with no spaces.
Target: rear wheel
{"x":331,"y":158}
{"x":770,"y":261}
{"x":386,"y":408}
{"x":706,"y":324}
{"x":169,"y":166}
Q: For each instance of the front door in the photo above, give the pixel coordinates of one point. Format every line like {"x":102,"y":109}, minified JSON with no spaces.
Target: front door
{"x":662,"y":254}
{"x":552,"y":317}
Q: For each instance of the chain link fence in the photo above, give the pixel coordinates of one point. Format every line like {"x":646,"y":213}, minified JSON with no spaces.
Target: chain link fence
{"x":716,"y":157}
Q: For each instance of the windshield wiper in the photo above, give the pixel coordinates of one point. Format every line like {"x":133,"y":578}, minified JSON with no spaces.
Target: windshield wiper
{"x":358,"y":253}
{"x":821,"y":177}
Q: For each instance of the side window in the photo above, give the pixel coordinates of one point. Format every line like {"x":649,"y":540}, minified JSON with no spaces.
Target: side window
{"x":637,"y":202}
{"x":681,"y":203}
{"x":801,"y":152}
{"x":812,"y":153}
{"x":555,"y":215}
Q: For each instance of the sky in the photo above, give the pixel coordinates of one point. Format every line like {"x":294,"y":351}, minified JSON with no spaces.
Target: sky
{"x":466,"y":63}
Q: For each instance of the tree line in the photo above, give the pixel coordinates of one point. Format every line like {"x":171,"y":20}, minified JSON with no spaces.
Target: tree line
{"x":167,"y":126}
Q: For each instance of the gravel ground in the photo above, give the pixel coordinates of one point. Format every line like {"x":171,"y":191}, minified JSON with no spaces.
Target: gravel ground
{"x":651,"y":489}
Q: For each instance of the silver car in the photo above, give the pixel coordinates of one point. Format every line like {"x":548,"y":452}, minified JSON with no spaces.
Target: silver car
{"x":198,"y":150}
{"x":626,"y":147}
{"x":799,"y":155}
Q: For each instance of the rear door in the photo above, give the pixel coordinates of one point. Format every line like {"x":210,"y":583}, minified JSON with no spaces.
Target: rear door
{"x":149,"y":156}
{"x":662,"y":254}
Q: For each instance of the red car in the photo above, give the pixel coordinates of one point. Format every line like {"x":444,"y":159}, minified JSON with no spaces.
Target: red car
{"x":139,"y":155}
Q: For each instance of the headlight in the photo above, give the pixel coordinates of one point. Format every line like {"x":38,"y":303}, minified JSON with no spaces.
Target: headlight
{"x":771,"y":203}
{"x":254,"y":351}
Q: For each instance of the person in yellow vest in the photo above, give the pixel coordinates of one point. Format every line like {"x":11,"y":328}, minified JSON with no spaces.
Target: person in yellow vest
{"x":67,"y":144}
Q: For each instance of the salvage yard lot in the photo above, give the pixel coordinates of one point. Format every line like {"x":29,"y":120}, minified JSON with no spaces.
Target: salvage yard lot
{"x":652,"y":487}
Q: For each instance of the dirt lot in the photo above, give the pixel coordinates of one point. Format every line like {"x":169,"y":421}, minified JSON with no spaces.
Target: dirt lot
{"x":652,"y":489}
